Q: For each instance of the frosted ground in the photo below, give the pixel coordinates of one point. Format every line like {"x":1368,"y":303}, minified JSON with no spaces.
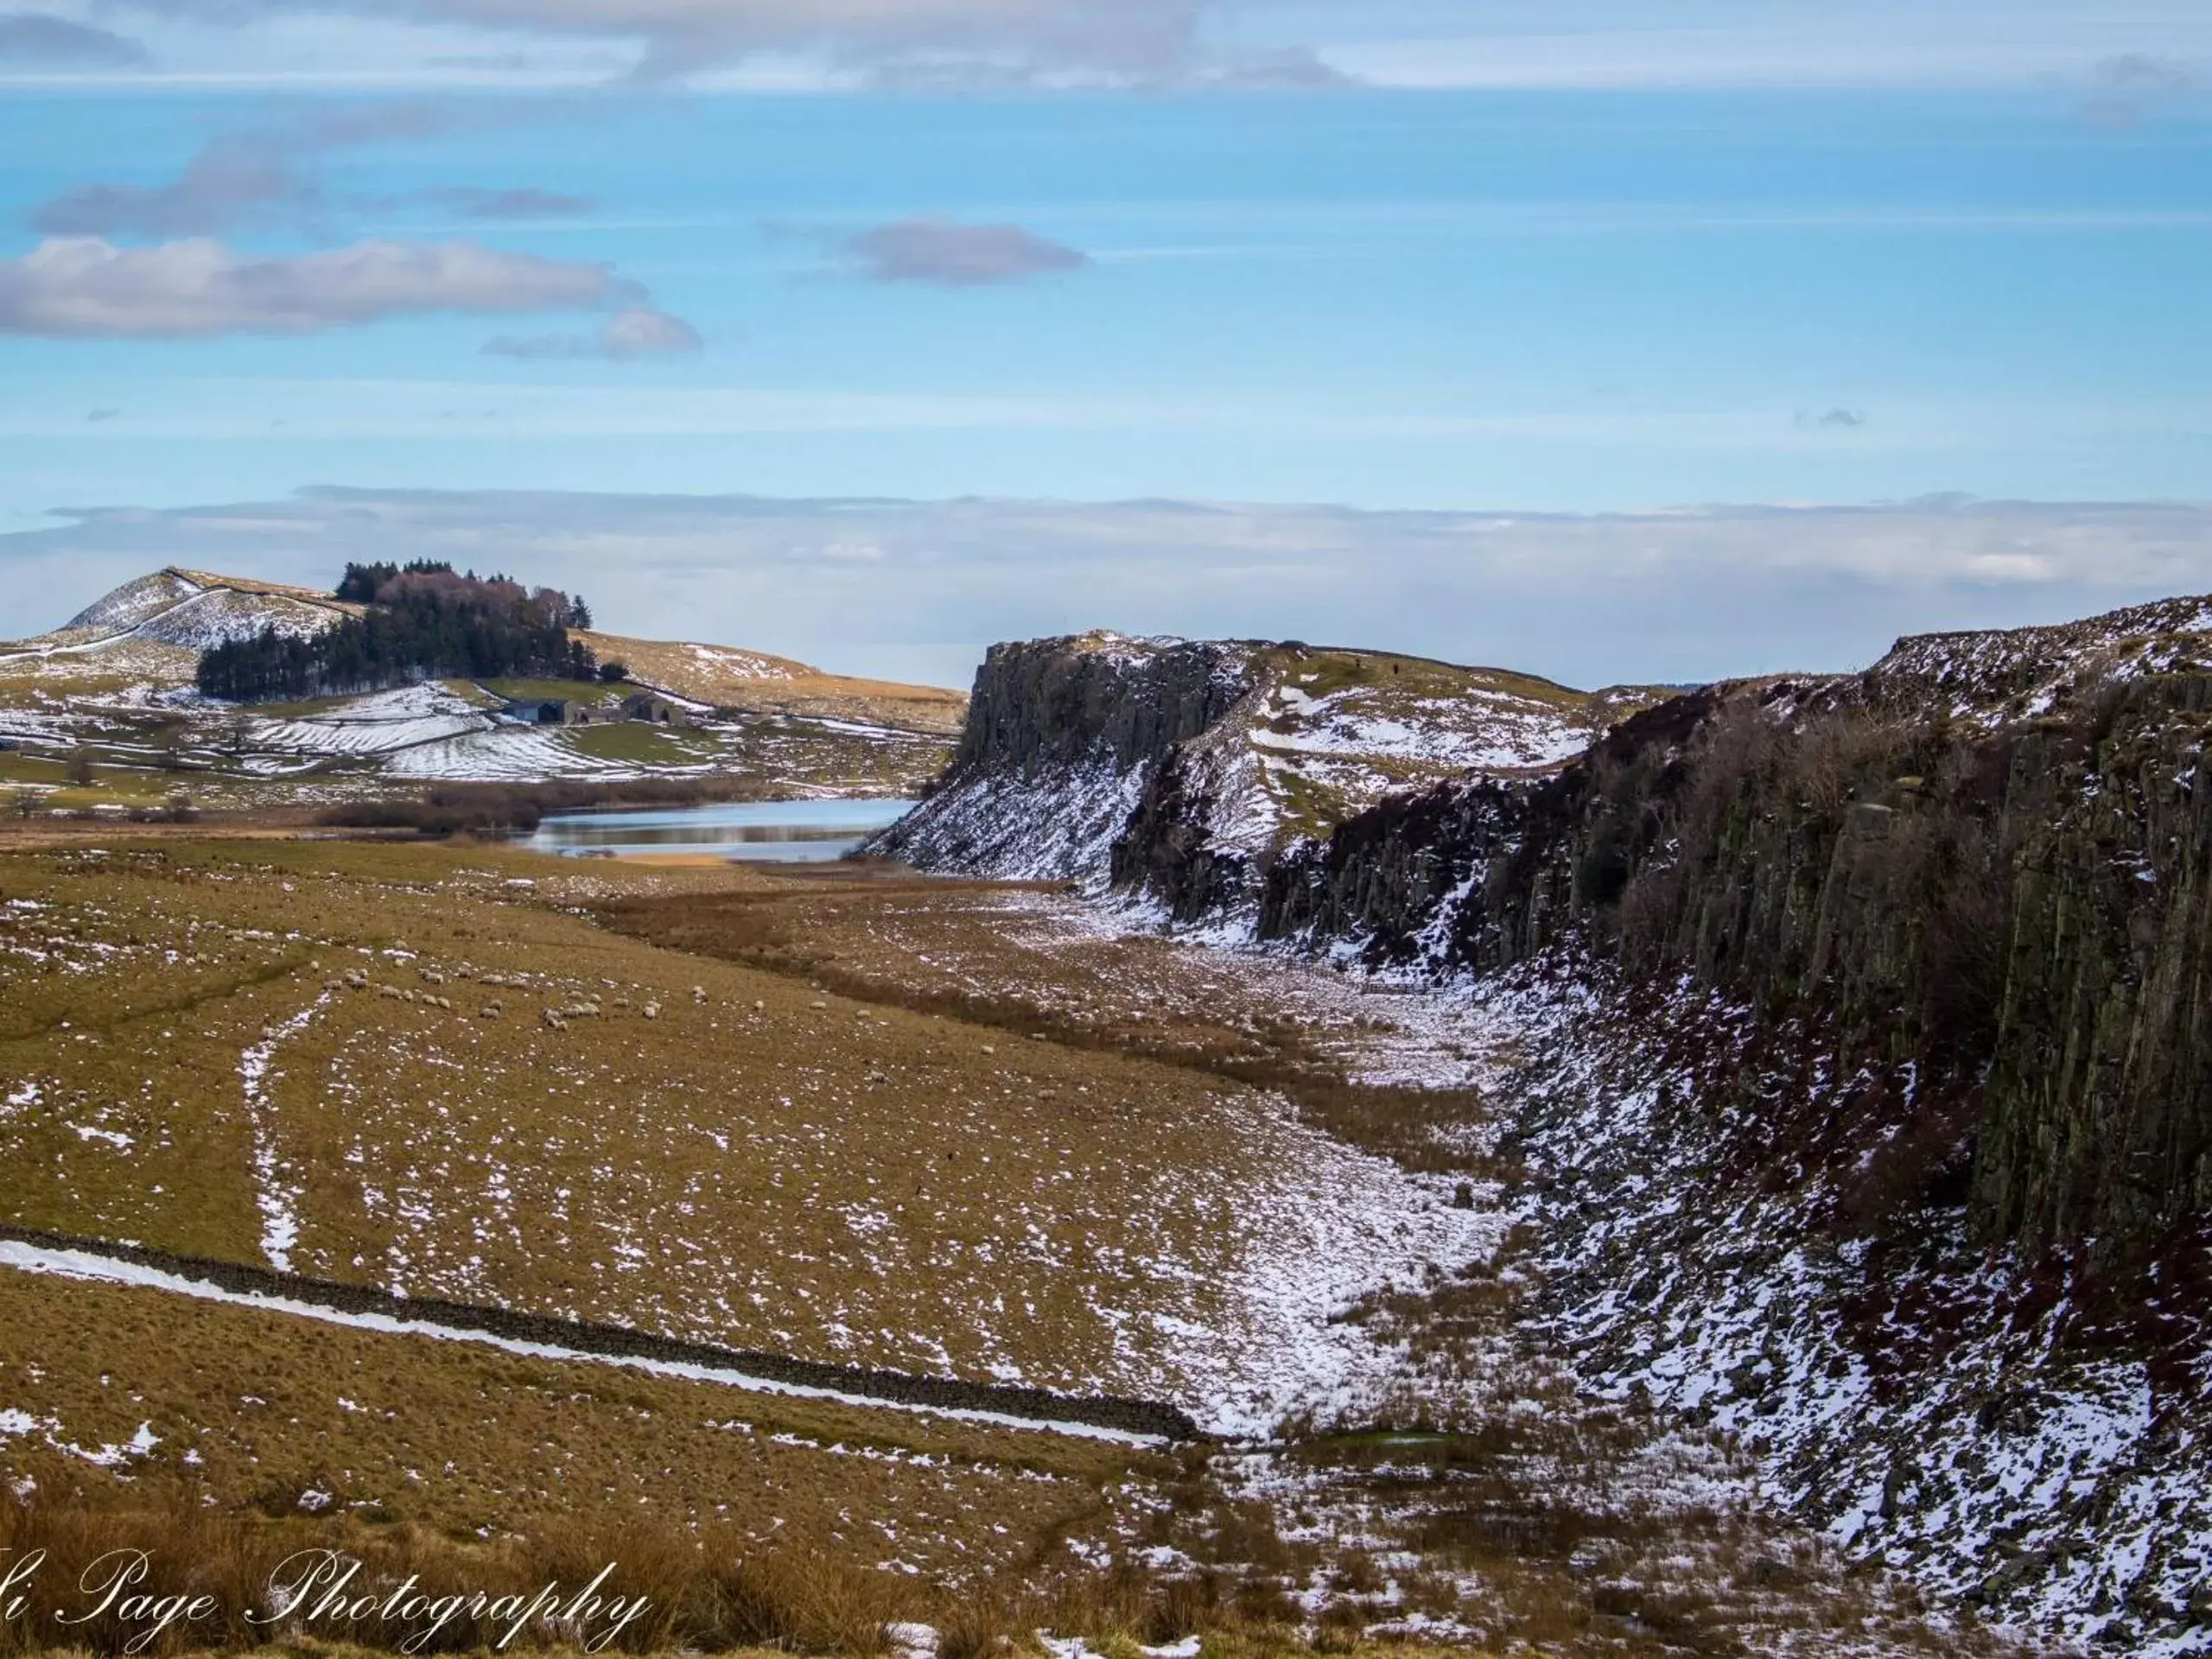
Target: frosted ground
{"x":745,"y":1156}
{"x":1405,"y":1352}
{"x":1725,"y":1311}
{"x":691,"y":1162}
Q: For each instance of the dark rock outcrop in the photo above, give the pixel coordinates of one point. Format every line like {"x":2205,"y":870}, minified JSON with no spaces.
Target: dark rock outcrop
{"x":1168,"y":849}
{"x":1043,"y":703}
{"x":1064,"y":738}
{"x":2021,"y":908}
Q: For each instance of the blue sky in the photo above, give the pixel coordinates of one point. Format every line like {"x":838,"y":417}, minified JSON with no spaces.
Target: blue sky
{"x":1583,"y":259}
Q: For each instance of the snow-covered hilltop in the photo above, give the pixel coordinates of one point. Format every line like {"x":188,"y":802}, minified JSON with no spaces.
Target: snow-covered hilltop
{"x":1992,"y":676}
{"x":154,"y":629}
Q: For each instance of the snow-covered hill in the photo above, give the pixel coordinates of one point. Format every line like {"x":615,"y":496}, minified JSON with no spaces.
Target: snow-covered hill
{"x":117,"y":683}
{"x":152,"y":631}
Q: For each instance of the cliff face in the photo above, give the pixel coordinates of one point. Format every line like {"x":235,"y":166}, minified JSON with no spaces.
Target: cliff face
{"x":1063,"y":737}
{"x":2022,"y":910}
{"x":2099,"y":1114}
{"x":1182,"y":770}
{"x":1042,"y":703}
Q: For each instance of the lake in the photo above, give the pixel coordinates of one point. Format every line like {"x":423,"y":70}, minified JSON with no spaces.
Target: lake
{"x":781,"y":831}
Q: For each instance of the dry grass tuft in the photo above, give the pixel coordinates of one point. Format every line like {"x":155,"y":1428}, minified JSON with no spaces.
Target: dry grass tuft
{"x":707,"y":1592}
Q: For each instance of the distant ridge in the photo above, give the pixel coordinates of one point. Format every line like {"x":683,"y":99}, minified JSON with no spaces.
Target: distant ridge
{"x":153,"y":629}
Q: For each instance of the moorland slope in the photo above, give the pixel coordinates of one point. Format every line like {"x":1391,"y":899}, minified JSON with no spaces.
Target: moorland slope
{"x":113,"y":690}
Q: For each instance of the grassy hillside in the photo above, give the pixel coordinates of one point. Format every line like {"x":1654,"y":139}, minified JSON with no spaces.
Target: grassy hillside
{"x":1335,"y":730}
{"x":114,"y":685}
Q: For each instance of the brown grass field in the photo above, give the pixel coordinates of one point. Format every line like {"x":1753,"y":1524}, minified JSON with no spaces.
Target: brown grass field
{"x":733,"y":678}
{"x":842,"y":1113}
{"x":711,"y":1152}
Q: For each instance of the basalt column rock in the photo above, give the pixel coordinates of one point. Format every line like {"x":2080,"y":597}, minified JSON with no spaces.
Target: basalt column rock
{"x":2020,"y":910}
{"x":1063,"y":736}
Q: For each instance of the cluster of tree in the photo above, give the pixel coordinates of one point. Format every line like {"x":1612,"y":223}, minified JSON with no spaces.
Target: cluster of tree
{"x":422,"y":621}
{"x":363,"y":584}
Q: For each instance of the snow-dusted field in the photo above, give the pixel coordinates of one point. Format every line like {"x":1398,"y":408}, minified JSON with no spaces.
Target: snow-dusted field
{"x":1478,"y":729}
{"x":497,"y":753}
{"x":1334,"y":1227}
{"x":376,"y":724}
{"x":65,"y":1263}
{"x":705,"y":1152}
{"x":727,"y":662}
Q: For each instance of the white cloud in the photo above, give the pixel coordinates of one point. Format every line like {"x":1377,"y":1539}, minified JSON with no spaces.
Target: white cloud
{"x":642,"y":330}
{"x":198,"y":289}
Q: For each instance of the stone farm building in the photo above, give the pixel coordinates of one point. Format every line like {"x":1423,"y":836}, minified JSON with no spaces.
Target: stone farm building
{"x":562,"y":711}
{"x":654,"y":710}
{"x":649,"y":707}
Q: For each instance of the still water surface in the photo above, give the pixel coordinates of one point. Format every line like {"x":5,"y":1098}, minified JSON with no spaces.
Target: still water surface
{"x":785,"y":831}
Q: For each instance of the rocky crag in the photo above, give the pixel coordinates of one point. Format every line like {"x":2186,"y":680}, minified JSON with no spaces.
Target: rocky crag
{"x":1182,"y":770}
{"x":1062,"y":737}
{"x":1989,"y":856}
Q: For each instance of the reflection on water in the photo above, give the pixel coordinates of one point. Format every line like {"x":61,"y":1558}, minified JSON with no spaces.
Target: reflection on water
{"x":783,"y":831}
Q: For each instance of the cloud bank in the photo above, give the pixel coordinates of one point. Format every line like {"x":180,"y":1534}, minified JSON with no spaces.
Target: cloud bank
{"x":86,"y":288}
{"x":1114,"y":41}
{"x":2129,"y":47}
{"x":917,"y":589}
